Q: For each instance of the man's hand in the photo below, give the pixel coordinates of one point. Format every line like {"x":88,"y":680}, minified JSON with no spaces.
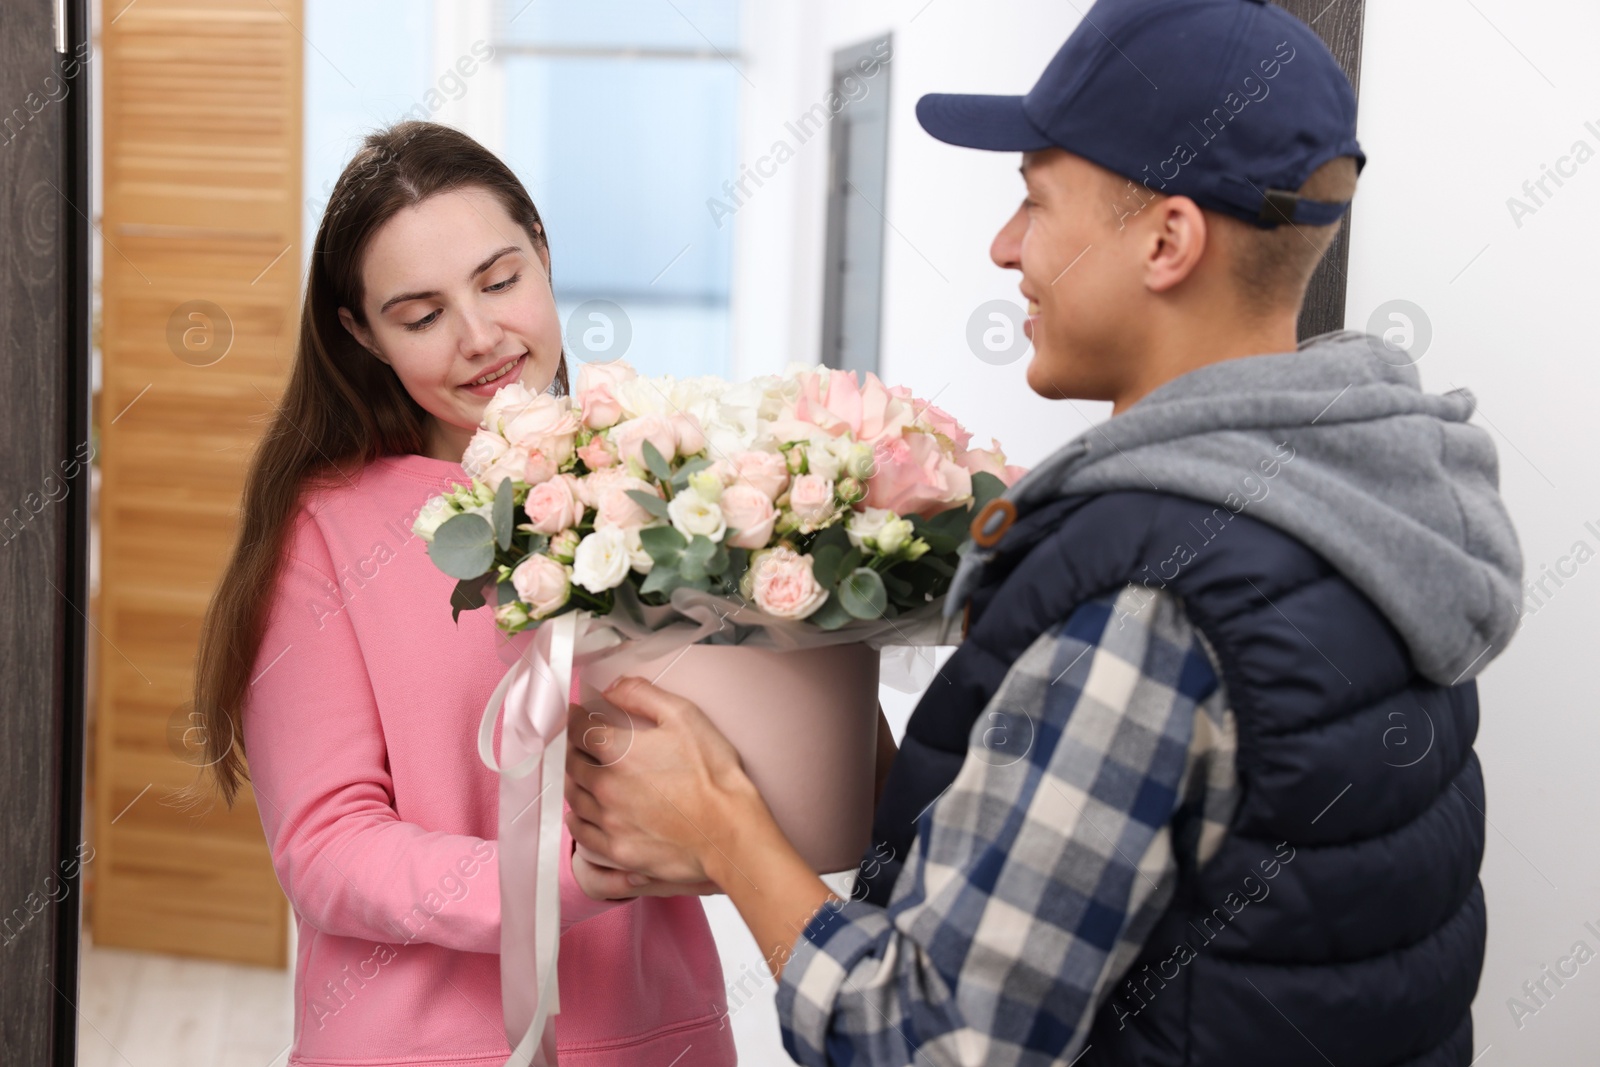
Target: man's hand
{"x":673,"y":802}
{"x":659,"y":799}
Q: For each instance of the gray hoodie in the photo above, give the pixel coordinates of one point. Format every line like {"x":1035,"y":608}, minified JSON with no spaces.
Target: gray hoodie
{"x":1391,"y":485}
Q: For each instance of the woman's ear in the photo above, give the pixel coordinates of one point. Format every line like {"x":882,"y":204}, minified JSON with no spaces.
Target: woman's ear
{"x":362,"y":335}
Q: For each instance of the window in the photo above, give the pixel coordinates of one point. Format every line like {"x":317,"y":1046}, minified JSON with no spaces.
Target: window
{"x":622,"y":118}
{"x":858,"y":152}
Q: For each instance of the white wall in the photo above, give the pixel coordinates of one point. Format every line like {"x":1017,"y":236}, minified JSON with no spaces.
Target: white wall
{"x":1461,"y":103}
{"x":1457,"y":113}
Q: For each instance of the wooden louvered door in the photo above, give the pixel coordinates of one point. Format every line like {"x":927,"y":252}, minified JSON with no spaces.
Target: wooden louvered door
{"x":201,"y":255}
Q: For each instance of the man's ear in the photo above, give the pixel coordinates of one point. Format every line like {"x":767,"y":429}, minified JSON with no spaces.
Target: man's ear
{"x":362,"y":335}
{"x":1177,"y":237}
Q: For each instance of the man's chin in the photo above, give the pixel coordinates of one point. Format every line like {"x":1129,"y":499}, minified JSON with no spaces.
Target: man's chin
{"x":1045,"y":379}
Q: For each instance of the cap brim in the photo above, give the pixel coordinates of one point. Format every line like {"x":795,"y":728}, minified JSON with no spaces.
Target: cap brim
{"x":995,"y":123}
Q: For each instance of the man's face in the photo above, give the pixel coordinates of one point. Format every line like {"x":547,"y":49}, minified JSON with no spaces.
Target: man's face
{"x":1070,"y":240}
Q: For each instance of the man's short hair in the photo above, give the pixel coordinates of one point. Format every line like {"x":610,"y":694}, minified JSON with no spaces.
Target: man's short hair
{"x":1273,"y":267}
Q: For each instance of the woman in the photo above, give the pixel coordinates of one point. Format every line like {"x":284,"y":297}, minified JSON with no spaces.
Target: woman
{"x":329,"y":650}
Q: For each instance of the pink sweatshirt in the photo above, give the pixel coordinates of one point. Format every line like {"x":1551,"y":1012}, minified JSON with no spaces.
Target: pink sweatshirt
{"x":361,"y":734}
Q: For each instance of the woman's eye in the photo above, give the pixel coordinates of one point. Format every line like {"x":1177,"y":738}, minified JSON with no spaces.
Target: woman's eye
{"x":500,"y":287}
{"x":420,"y":323}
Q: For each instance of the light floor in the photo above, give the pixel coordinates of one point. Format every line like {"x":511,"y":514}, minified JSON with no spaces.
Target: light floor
{"x":141,"y":1009}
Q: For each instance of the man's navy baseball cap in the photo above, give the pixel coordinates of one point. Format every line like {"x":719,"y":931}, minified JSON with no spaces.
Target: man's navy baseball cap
{"x":1232,"y":103}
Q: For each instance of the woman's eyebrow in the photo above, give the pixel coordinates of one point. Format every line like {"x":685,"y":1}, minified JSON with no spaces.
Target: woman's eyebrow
{"x":479,"y":269}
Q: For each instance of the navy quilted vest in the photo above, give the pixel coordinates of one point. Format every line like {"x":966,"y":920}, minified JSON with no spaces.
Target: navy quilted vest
{"x":1341,"y":921}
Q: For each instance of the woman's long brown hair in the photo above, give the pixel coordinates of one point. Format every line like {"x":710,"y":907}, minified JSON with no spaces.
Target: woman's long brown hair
{"x":342,"y":407}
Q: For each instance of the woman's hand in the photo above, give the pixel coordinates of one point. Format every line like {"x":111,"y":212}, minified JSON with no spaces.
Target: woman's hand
{"x":659,"y":799}
{"x":610,"y":883}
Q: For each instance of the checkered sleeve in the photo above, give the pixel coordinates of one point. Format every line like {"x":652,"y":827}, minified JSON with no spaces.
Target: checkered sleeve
{"x":1035,"y":878}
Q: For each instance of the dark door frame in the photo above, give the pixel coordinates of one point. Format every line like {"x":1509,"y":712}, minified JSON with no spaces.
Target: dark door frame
{"x":1340,"y":24}
{"x":45,"y":392}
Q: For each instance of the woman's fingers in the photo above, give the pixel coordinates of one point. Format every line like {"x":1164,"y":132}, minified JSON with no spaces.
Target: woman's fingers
{"x":601,"y":883}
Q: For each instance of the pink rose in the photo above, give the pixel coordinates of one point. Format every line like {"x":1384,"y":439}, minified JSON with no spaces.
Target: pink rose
{"x":608,"y":375}
{"x":541,"y":467}
{"x":687,"y":434}
{"x":544,"y":423}
{"x":811,"y":499}
{"x":784,"y":585}
{"x":598,"y":453}
{"x":629,"y":438}
{"x":766,"y":471}
{"x":914,"y":475}
{"x":551,"y":506}
{"x":519,"y":465}
{"x":991,"y":461}
{"x":614,"y":507}
{"x":485,"y":448}
{"x":832,"y":401}
{"x":542,"y":583}
{"x":600,"y":408}
{"x":748,"y":511}
{"x":944,"y":423}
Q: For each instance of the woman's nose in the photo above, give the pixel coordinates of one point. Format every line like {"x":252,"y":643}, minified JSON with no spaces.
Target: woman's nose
{"x":480,"y":332}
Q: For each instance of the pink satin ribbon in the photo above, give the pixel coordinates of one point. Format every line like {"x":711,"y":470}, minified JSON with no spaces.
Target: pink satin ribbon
{"x":532,"y":763}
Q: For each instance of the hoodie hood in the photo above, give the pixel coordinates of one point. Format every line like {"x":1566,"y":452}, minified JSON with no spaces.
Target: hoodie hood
{"x":1391,"y":485}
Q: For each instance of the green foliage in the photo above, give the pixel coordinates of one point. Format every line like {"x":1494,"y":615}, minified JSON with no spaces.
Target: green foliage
{"x":862,"y":593}
{"x":502,"y":513}
{"x":656,"y":462}
{"x":463,"y":546}
{"x":649,"y":501}
{"x":468,"y":595}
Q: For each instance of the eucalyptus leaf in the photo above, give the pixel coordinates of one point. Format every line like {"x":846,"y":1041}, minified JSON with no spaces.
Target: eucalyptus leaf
{"x":657,"y":463}
{"x":831,"y":535}
{"x":502,"y":512}
{"x":681,"y":476}
{"x":862,"y":593}
{"x":664,"y":544}
{"x":985,"y":487}
{"x":831,"y":615}
{"x":468,"y":595}
{"x":650,"y":502}
{"x":663,"y":578}
{"x":825,"y":564}
{"x":463,"y":546}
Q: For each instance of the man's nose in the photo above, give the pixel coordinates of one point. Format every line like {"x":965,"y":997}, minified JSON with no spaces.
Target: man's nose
{"x":1006,"y":251}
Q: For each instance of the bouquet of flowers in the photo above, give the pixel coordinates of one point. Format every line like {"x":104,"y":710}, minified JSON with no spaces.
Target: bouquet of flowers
{"x":814,"y":496}
{"x":621,"y":527}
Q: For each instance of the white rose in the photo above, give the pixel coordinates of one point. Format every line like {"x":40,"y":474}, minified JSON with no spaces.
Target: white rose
{"x":894,"y":535}
{"x":638,"y":558}
{"x":433,"y":513}
{"x":821,"y":459}
{"x":865,"y":525}
{"x":601,"y":561}
{"x":693,"y":514}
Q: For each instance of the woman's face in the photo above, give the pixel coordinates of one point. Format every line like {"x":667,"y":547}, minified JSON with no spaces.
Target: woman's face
{"x":455,"y":289}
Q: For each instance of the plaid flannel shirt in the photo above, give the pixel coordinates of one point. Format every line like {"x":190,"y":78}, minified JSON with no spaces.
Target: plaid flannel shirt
{"x":1034,"y":880}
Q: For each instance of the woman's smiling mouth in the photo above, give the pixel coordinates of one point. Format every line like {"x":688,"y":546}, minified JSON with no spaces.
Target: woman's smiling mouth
{"x":495,"y":378}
